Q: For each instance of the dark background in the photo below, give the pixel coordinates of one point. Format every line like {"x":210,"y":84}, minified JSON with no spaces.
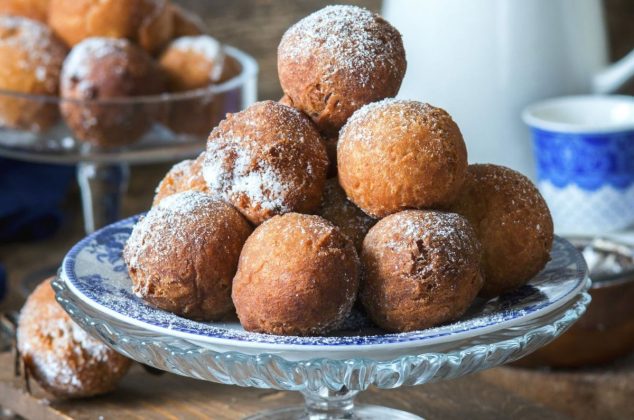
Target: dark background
{"x":256,"y":26}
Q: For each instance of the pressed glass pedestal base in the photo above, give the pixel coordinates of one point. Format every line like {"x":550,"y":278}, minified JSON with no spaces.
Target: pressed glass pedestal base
{"x":363,"y":411}
{"x":326,"y":405}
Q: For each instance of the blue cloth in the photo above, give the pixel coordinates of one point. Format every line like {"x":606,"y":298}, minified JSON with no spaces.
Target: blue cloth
{"x":30,"y":198}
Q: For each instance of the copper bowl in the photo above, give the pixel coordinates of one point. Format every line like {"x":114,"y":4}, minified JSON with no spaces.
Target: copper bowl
{"x":606,"y":331}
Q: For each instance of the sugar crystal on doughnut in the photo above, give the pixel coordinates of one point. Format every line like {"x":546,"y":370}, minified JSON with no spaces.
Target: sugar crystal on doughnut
{"x":338,"y":59}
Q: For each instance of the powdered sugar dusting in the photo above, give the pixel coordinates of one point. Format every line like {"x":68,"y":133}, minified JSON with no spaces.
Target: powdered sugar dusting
{"x":206,"y":46}
{"x":523,"y":193}
{"x":56,"y":347}
{"x":258,"y":181}
{"x":183,"y":176}
{"x":264,"y":160}
{"x":401,"y":115}
{"x":356,"y":39}
{"x":43,"y":53}
{"x":562,"y":276}
{"x":447,"y":233}
{"x":173,"y":213}
{"x":517,"y":200}
{"x":85,"y":55}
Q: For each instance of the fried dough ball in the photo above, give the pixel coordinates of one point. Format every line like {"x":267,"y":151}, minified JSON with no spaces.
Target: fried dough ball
{"x":298,"y":275}
{"x":420,"y":269}
{"x":31,"y":58}
{"x":513,"y":224}
{"x":184,"y":176}
{"x":266,"y":160}
{"x":59,"y":355}
{"x":395,"y":155}
{"x":190,"y":63}
{"x":182,"y":256}
{"x":146,"y":22}
{"x":338,"y":59}
{"x":101,"y":69}
{"x":336,"y":208}
{"x":32,"y":9}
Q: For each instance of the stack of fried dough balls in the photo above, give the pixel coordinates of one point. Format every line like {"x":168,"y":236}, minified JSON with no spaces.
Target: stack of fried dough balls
{"x":98,"y":56}
{"x":408,"y":226}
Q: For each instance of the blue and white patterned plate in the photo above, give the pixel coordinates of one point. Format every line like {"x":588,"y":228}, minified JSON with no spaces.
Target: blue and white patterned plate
{"x":95,"y":273}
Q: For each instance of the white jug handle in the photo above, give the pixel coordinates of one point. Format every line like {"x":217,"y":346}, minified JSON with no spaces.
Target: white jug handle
{"x":615,"y":76}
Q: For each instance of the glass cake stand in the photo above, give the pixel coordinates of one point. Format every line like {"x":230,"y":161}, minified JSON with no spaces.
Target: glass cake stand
{"x":94,"y":288}
{"x":143,"y":129}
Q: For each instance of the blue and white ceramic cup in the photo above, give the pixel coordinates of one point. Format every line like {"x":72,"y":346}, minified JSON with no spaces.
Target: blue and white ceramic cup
{"x":584,"y":150}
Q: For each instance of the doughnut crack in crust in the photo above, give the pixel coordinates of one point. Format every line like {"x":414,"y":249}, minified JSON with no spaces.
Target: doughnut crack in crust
{"x":266,"y":160}
{"x":338,"y":59}
{"x":420,"y":269}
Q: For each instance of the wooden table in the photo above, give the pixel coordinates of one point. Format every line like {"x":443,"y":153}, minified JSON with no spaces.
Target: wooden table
{"x":498,"y":393}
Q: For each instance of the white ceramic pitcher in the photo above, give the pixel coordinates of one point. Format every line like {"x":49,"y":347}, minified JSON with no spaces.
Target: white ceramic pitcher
{"x":485,"y":60}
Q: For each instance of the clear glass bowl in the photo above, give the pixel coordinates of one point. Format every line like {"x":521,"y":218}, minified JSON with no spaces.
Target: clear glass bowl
{"x":137,"y":129}
{"x":103,"y":137}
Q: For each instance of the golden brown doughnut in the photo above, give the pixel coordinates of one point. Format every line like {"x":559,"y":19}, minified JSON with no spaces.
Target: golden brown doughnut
{"x":100,"y":69}
{"x":182,"y":256}
{"x":266,"y":160}
{"x":59,"y":355}
{"x":185,"y":23}
{"x":338,"y":59}
{"x":298,"y":275}
{"x":184,"y":176}
{"x":31,"y":59}
{"x":32,"y":9}
{"x":190,"y":63}
{"x":420,"y":269}
{"x":337,"y":209}
{"x":513,"y":224}
{"x":156,"y":26}
{"x":146,"y":22}
{"x":395,"y":155}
